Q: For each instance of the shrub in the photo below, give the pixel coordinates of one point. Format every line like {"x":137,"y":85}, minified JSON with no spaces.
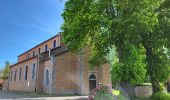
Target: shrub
{"x":102,"y":92}
{"x":160,"y":96}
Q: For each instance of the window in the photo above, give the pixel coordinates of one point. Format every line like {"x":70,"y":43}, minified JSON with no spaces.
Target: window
{"x":11,"y":75}
{"x":46,"y":47}
{"x":39,"y":50}
{"x":15,"y":74}
{"x":46,"y":77}
{"x":28,"y":55}
{"x":54,"y":43}
{"x":33,"y":53}
{"x":92,"y":82}
{"x":92,"y":77}
{"x":26,"y":72}
{"x":20,"y":72}
{"x":33,"y":71}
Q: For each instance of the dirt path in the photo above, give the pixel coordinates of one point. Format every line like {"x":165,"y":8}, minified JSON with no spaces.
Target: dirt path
{"x":16,"y":96}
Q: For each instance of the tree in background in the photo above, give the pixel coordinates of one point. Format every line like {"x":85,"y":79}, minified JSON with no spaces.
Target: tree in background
{"x":6,"y":71}
{"x":131,"y":26}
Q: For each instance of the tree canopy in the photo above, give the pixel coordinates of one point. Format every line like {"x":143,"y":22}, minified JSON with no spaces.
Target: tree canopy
{"x":5,"y":72}
{"x":136,"y":28}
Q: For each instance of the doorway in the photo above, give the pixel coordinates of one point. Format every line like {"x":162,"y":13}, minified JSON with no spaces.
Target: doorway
{"x":92,"y":82}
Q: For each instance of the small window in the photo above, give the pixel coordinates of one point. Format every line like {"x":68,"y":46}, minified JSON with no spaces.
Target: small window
{"x":26,"y":72}
{"x":39,"y":50}
{"x":33,"y":71}
{"x":15,"y":75}
{"x":92,"y":77}
{"x":20,"y":72}
{"x":54,"y":44}
{"x":33,"y":53}
{"x":28,"y":55}
{"x":11,"y":76}
{"x":46,"y":47}
{"x":46,"y":77}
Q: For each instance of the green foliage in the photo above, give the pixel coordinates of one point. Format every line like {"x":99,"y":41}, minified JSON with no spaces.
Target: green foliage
{"x":160,"y":96}
{"x":161,"y":65}
{"x":164,"y":19}
{"x":132,"y":26}
{"x":132,"y":68}
{"x":6,"y":70}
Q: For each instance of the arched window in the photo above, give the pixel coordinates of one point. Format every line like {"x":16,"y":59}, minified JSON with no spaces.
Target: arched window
{"x":54,"y":43}
{"x":46,"y":47}
{"x":47,"y":77}
{"x":33,"y":71}
{"x":92,"y":77}
{"x":92,"y":82}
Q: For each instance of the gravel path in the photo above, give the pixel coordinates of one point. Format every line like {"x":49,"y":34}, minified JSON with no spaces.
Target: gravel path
{"x":13,"y":96}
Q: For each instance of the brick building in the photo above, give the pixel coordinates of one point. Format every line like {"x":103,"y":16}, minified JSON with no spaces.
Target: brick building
{"x":50,"y":68}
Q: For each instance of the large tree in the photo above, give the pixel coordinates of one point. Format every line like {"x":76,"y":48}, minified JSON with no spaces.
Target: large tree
{"x":5,"y":72}
{"x":156,"y":43}
{"x":102,"y":24}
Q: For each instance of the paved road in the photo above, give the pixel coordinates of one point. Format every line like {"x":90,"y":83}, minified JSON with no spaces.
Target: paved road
{"x":13,"y":96}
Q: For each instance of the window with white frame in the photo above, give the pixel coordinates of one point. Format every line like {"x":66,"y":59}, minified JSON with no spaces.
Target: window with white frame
{"x":33,"y":71}
{"x":46,"y":77}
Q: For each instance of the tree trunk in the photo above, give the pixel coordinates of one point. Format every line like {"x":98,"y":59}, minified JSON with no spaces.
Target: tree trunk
{"x":119,"y":46}
{"x":154,"y":81}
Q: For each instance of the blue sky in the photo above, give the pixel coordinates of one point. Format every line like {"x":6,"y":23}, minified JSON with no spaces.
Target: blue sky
{"x":26,"y":23}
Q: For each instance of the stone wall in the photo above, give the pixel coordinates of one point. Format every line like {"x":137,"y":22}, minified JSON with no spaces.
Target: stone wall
{"x":143,"y":91}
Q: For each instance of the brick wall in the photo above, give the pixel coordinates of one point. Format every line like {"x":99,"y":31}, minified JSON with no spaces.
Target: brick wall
{"x":72,"y":73}
{"x":40,"y":74}
{"x":41,"y":46}
{"x":67,"y":74}
{"x":103,"y":74}
{"x":48,"y":66}
{"x":22,"y":84}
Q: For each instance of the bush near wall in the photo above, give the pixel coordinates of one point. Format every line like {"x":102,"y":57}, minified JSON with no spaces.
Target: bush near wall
{"x":102,"y":92}
{"x":160,"y":96}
